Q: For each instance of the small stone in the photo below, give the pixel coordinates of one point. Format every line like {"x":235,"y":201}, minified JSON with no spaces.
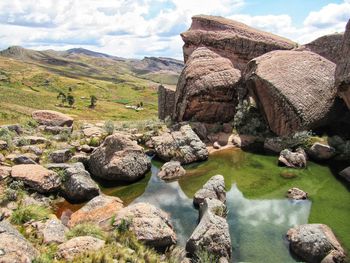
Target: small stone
{"x":171,"y":170}
{"x":3,"y":145}
{"x":216,"y":145}
{"x":296,"y":194}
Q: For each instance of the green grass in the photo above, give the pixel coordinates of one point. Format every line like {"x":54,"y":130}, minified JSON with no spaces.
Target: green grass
{"x":27,"y":213}
{"x":86,"y":229}
{"x":30,"y":87}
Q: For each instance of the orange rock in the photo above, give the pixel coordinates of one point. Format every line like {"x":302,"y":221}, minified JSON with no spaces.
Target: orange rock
{"x":52,"y":118}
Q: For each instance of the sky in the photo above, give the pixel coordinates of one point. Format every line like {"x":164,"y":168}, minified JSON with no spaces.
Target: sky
{"x":138,"y":28}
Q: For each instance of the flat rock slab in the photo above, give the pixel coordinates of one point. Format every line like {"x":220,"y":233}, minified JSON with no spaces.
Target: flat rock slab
{"x":37,"y":177}
{"x":100,"y":210}
{"x":14,"y":248}
{"x":52,"y":118}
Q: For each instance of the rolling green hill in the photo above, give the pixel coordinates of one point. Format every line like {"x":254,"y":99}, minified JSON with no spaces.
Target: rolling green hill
{"x":32,"y":79}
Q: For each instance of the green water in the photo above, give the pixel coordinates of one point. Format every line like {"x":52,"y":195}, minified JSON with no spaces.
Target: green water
{"x":259,"y":214}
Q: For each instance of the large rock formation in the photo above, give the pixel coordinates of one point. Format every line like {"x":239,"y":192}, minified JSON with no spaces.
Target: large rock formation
{"x":233,"y":40}
{"x":207,"y":88}
{"x":182,"y":145}
{"x":314,"y":242}
{"x":166,"y":101}
{"x":328,"y":46}
{"x":150,"y":224}
{"x":342,"y":74}
{"x":52,"y":118}
{"x":119,"y":159}
{"x":293,"y":89}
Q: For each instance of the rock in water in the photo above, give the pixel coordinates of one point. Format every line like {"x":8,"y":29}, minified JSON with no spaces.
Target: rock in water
{"x":233,"y":40}
{"x":295,"y":159}
{"x":328,"y":46}
{"x":171,"y":170}
{"x":37,"y":177}
{"x":14,"y":247}
{"x":100,"y":210}
{"x":293,"y":89}
{"x":296,"y":194}
{"x":166,"y":102}
{"x":78,"y":185}
{"x":342,"y":73}
{"x":207,"y":88}
{"x":119,"y":159}
{"x":182,"y":145}
{"x":314,"y":242}
{"x":52,"y":118}
{"x":150,"y":224}
{"x":212,"y":233}
{"x":214,"y":188}
{"x":77,"y":246}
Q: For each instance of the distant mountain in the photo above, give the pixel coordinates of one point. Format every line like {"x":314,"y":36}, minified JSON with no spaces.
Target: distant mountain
{"x":85,"y":62}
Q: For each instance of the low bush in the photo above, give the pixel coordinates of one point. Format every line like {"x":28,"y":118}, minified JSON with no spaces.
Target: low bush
{"x":109,"y":127}
{"x":27,"y":213}
{"x":86,"y":229}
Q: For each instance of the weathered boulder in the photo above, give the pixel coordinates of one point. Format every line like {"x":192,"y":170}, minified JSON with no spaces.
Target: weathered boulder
{"x":77,"y":246}
{"x":293,"y":89}
{"x":291,"y":159}
{"x":26,"y":158}
{"x":100,"y":210}
{"x":328,"y":46}
{"x":213,"y":188}
{"x":166,"y":101}
{"x":342,"y":73}
{"x":52,"y":118}
{"x":93,"y":131}
{"x":52,"y":231}
{"x":345,"y":174}
{"x":119,"y":159}
{"x":150,"y":224}
{"x":320,"y":151}
{"x":37,"y":177}
{"x":212,"y":233}
{"x":32,"y":149}
{"x":313,"y":242}
{"x":171,"y":170}
{"x":233,"y":40}
{"x":60,"y":156}
{"x":5,"y":171}
{"x":200,"y":129}
{"x":182,"y":145}
{"x":207,"y":88}
{"x":296,"y":194}
{"x":78,"y":185}
{"x":17,"y":128}
{"x":14,"y":248}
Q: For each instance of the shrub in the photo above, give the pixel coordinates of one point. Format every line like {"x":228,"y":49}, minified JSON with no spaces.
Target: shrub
{"x":248,"y":120}
{"x":27,"y":213}
{"x":86,"y":229}
{"x":31,"y":124}
{"x":7,"y":136}
{"x":299,"y":139}
{"x":204,"y":256}
{"x":109,"y":127}
{"x":94,"y":141}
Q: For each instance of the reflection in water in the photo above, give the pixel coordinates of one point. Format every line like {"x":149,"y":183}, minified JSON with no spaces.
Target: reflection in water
{"x":257,"y":227}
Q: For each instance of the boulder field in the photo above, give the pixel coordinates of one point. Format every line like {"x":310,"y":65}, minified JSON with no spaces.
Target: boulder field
{"x":226,"y":62}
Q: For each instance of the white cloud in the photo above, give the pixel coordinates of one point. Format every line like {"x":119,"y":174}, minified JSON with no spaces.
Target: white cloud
{"x":137,"y":28}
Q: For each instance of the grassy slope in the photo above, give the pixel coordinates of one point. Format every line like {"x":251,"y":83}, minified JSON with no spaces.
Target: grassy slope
{"x":28,"y":86}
